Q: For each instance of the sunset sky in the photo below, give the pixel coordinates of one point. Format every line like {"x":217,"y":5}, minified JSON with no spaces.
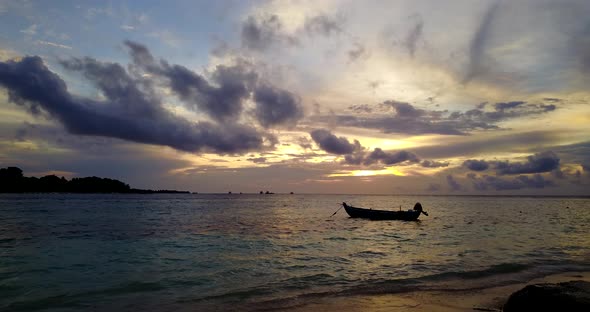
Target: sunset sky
{"x":385,"y":97}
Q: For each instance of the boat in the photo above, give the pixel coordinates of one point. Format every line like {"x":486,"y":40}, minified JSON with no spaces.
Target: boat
{"x":367,"y":213}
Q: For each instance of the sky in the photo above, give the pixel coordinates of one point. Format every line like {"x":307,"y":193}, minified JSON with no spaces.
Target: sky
{"x":364,"y":97}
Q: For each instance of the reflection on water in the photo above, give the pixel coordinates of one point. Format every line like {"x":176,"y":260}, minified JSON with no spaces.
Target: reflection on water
{"x":212,"y":251}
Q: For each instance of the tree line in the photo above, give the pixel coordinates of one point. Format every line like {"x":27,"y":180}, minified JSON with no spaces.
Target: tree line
{"x":13,"y":181}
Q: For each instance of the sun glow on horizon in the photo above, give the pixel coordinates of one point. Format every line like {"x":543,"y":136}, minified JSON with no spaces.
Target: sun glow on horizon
{"x":367,"y":173}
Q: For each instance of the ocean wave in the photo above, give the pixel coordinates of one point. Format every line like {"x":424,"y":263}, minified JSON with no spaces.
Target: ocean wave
{"x":368,"y":254}
{"x":77,"y":300}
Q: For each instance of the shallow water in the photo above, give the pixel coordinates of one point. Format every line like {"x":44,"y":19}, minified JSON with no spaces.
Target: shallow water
{"x":61,"y":252}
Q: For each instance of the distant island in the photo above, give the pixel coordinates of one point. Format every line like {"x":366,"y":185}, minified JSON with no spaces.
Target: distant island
{"x":13,"y":181}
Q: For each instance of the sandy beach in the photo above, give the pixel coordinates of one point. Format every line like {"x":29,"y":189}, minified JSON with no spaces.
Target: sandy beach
{"x":479,"y":299}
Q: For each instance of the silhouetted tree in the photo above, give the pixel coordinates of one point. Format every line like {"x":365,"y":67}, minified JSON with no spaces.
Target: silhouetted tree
{"x":13,"y":181}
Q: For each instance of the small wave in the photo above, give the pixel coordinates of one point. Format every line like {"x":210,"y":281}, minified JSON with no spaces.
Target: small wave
{"x":503,"y":268}
{"x":131,"y":287}
{"x":76,"y":300}
{"x":503,"y":274}
{"x":237,"y":295}
{"x":60,"y":301}
{"x":7,"y":240}
{"x":368,"y":254}
{"x":336,"y":238}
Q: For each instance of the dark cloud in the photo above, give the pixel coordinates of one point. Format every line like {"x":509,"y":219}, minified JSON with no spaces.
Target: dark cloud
{"x":361,"y":108}
{"x":405,"y":110}
{"x":558,"y":174}
{"x":580,"y":43}
{"x":408,"y":119}
{"x":333,"y":144}
{"x":433,"y":164}
{"x":355,"y":154}
{"x":413,"y":37}
{"x":502,"y":184}
{"x":477,"y":56}
{"x":477,"y":146}
{"x":323,"y":24}
{"x":356,"y":52}
{"x":260,"y":33}
{"x":389,"y":158}
{"x":130,"y":112}
{"x":257,"y":160}
{"x":139,"y":53}
{"x":476,"y":165}
{"x":453,"y":184}
{"x":222,"y":102}
{"x":574,"y":153}
{"x":433,"y":187}
{"x":355,"y":158}
{"x":233,"y":85}
{"x":304,"y":142}
{"x":554,"y":100}
{"x":276,"y":107}
{"x":507,"y":105}
{"x":537,"y":163}
{"x":501,"y":112}
{"x":391,"y":124}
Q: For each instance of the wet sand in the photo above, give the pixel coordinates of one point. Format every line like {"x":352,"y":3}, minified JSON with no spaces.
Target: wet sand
{"x":479,"y":299}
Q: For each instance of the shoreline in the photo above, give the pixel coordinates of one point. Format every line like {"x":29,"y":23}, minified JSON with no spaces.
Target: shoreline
{"x":477,"y":299}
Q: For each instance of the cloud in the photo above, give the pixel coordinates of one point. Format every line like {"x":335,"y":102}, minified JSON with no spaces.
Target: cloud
{"x":361,"y":108}
{"x":323,"y":24}
{"x":127,"y":27}
{"x":472,"y":146}
{"x":554,"y":100}
{"x":408,"y":119}
{"x":31,"y":30}
{"x":355,"y":154}
{"x":333,"y":144}
{"x":167,"y":37}
{"x":224,"y":101}
{"x":433,"y":164}
{"x":502,"y":184}
{"x":356,"y":52}
{"x":404,"y":110}
{"x":413,"y":37}
{"x":507,"y":105}
{"x":140,"y":55}
{"x":276,"y":107}
{"x":477,"y":57}
{"x":537,"y":163}
{"x":257,"y":160}
{"x":390,"y":124}
{"x":260,"y":33}
{"x":574,"y":153}
{"x":389,"y":158}
{"x":265,"y":31}
{"x":53,"y":44}
{"x":130,"y":112}
{"x":433,"y":187}
{"x":453,"y":184}
{"x":476,"y":165}
{"x":502,"y":111}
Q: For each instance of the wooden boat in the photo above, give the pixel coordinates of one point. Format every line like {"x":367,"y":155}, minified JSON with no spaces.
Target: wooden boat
{"x":405,"y":215}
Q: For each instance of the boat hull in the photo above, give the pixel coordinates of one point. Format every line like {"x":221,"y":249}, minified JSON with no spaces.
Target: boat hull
{"x":404,"y":215}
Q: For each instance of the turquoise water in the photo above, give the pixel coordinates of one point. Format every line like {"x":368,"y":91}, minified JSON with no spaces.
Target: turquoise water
{"x":63,"y":252}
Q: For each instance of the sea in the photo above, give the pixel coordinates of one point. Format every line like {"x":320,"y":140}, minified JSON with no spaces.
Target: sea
{"x":252,"y":252}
